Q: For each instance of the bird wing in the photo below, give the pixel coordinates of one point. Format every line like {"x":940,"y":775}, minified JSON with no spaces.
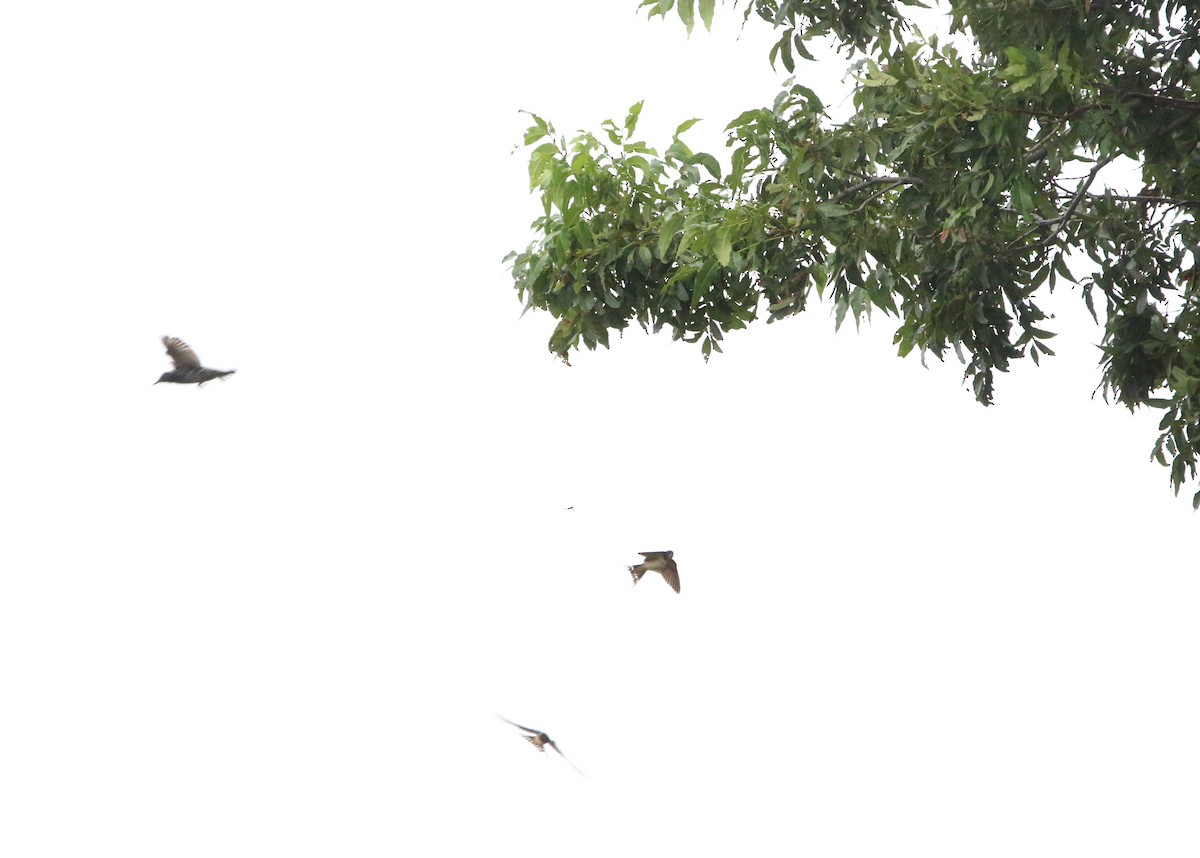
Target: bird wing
{"x":181,"y":354}
{"x":519,"y":727}
{"x":671,"y":573}
{"x":654,"y":555}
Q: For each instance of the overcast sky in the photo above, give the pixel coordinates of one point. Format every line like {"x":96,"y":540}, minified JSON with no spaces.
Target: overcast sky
{"x":277,"y":615}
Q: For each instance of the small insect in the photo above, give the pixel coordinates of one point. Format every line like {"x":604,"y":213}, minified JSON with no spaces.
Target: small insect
{"x":660,"y":562}
{"x":539,"y":740}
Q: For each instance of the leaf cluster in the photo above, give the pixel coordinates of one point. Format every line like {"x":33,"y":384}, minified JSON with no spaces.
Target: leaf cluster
{"x":961,"y":189}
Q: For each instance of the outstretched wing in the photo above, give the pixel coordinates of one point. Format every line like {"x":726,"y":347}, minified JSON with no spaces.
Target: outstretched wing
{"x":654,"y":555}
{"x":519,"y":727}
{"x":671,"y":573}
{"x":181,"y":354}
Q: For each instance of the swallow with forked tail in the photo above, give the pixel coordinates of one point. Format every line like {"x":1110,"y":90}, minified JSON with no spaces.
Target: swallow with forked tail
{"x":539,"y":740}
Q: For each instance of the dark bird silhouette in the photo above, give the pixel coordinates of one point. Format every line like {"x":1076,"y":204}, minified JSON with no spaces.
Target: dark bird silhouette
{"x":539,"y":740}
{"x":660,"y":562}
{"x":187,"y":366}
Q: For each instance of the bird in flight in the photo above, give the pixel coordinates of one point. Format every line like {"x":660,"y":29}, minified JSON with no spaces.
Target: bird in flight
{"x":660,"y":562}
{"x":539,"y":740}
{"x":187,"y":366}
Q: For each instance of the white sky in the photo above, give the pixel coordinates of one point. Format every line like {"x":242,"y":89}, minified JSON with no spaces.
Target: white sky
{"x":276,"y":616}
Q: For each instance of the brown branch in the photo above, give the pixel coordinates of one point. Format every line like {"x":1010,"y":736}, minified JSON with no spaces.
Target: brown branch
{"x":1078,"y":198}
{"x":1057,"y":222}
{"x":890,"y":181}
{"x":1165,"y":100}
{"x":1048,"y":114}
{"x":1080,"y":193}
{"x":872,"y":196}
{"x":1142,"y":198}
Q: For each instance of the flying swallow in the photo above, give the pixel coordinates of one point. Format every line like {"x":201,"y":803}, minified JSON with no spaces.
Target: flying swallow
{"x":660,"y":562}
{"x":539,"y":740}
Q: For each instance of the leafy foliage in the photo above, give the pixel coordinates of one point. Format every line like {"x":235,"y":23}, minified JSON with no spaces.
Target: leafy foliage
{"x":962,"y":187}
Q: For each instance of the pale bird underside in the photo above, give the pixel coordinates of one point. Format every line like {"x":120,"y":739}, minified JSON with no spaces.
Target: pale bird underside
{"x":661,"y":562}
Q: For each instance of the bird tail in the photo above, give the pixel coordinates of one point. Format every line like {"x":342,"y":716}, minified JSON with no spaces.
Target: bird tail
{"x":637,"y":572}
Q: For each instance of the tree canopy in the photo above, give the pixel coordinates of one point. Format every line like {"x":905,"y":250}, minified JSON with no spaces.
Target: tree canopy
{"x":968,"y":181}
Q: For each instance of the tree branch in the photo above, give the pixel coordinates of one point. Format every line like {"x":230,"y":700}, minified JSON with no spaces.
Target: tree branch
{"x":890,"y":181}
{"x":1142,"y":198}
{"x":1057,"y":222}
{"x":1165,"y":100}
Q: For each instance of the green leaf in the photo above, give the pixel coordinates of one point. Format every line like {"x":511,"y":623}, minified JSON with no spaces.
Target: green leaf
{"x":657,"y":7}
{"x":879,"y":78}
{"x":539,"y":129}
{"x":799,"y":42}
{"x":858,"y":303}
{"x":1014,"y":55}
{"x":631,"y":120}
{"x":832,"y":209}
{"x":747,"y":116}
{"x":786,"y":55}
{"x":678,"y":151}
{"x":703,"y":280}
{"x":739,"y":168}
{"x":706,"y":12}
{"x":637,"y":162}
{"x":723,"y":245}
{"x":1180,"y":377}
{"x":684,"y":126}
{"x":840,"y":314}
{"x":666,"y":234}
{"x":687,"y":14}
{"x":709,"y":163}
